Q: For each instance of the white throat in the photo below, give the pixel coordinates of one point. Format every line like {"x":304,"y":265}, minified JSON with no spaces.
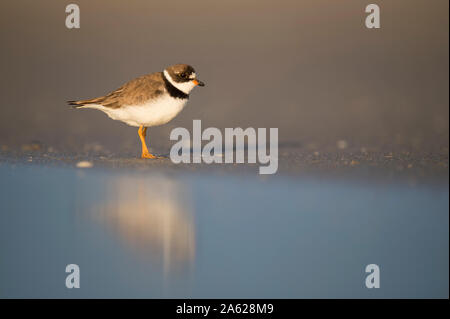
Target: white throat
{"x":184,"y":87}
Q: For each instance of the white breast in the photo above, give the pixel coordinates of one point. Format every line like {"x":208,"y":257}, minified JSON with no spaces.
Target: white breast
{"x":157,"y":112}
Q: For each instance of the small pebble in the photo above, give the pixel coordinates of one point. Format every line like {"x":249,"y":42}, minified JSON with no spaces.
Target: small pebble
{"x":84,"y":164}
{"x":342,"y":144}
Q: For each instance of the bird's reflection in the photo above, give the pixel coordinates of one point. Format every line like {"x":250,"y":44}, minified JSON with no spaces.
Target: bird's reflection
{"x":151,"y":216}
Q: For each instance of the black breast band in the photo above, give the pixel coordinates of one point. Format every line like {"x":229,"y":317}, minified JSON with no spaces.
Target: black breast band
{"x":173,"y":91}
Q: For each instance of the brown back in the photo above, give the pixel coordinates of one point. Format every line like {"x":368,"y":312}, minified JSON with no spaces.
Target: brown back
{"x":134,"y":92}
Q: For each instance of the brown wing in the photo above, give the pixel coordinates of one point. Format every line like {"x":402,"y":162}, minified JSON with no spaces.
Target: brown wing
{"x":135,"y":92}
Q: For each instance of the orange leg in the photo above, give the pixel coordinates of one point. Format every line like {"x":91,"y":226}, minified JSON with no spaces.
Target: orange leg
{"x":142,"y":134}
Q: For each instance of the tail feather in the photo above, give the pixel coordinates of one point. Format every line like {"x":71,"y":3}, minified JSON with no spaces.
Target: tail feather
{"x":81,"y":103}
{"x":75,"y":104}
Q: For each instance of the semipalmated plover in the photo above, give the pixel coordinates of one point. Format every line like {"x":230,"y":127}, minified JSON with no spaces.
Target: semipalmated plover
{"x":150,"y":100}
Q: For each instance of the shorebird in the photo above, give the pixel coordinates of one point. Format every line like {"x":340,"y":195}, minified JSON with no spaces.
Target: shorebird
{"x":150,"y":100}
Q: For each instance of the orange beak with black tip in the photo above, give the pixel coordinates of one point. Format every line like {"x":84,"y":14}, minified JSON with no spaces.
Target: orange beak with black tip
{"x":197,"y":82}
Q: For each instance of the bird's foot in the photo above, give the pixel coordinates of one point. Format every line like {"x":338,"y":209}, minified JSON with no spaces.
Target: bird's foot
{"x":148,"y":155}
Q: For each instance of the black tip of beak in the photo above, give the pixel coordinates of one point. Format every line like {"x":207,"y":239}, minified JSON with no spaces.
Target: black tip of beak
{"x":200,"y":83}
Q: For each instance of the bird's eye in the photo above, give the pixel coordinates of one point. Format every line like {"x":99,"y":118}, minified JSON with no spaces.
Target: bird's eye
{"x":183,"y":75}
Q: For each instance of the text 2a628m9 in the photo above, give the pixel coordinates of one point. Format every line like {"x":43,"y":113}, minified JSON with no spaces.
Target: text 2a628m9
{"x":246,"y":308}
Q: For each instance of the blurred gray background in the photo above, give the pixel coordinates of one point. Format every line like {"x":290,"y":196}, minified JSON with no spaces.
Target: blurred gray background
{"x":310,"y":68}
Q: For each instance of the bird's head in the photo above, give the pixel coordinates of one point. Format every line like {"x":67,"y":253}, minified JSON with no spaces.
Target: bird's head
{"x":183,"y":77}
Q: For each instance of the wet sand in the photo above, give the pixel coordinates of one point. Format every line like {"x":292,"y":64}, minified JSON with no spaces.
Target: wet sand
{"x":150,"y":233}
{"x":354,"y":164}
{"x":151,"y":229}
